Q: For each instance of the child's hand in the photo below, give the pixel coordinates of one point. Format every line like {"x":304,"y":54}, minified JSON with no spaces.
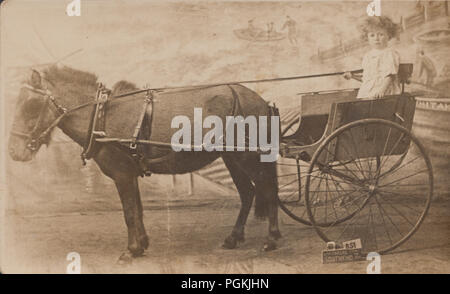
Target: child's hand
{"x":347,"y":75}
{"x":379,"y":94}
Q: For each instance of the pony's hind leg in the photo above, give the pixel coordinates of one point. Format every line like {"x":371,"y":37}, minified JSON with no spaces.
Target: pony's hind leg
{"x":246,"y":193}
{"x":264,"y":177}
{"x":267,"y":190}
{"x":245,"y":168}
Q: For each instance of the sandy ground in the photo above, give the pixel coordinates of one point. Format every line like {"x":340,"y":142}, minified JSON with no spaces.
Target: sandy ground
{"x":187,"y":239}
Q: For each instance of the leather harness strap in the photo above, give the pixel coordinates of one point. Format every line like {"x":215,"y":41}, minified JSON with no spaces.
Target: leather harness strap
{"x":147,"y":112}
{"x":97,"y":123}
{"x":97,"y":128}
{"x":146,"y":109}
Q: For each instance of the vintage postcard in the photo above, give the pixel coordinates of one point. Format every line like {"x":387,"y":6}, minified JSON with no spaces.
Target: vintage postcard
{"x":225,"y":137}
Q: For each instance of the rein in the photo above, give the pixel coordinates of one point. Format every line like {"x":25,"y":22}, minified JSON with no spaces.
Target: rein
{"x":35,"y":141}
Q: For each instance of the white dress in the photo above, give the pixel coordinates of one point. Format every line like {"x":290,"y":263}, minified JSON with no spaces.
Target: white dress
{"x":378,"y":64}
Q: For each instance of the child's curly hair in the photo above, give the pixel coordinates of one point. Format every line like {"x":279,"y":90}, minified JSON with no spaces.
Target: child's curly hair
{"x":379,"y":22}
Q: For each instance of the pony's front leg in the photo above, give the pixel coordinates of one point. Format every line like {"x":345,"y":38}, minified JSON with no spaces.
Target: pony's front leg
{"x":132,"y":207}
{"x":122,"y":170}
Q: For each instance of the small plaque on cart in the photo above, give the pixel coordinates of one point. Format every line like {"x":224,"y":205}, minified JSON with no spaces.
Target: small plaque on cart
{"x":350,"y":251}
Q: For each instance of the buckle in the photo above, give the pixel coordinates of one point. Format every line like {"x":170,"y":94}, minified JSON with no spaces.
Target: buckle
{"x":99,"y":133}
{"x":103,"y":97}
{"x":32,"y":145}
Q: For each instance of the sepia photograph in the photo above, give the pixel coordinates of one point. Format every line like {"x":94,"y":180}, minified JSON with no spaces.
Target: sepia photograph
{"x":224,"y":137}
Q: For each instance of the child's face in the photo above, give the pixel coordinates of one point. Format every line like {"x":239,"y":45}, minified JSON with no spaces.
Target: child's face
{"x":378,"y":38}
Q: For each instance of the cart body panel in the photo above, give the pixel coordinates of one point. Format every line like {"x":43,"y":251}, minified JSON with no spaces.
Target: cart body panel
{"x":399,"y":109}
{"x":345,"y":109}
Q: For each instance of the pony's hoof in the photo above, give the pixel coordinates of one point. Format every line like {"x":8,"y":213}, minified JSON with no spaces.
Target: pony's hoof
{"x":125,"y":259}
{"x":269,"y":245}
{"x":275,"y":235}
{"x":136,"y":251}
{"x":230,"y":243}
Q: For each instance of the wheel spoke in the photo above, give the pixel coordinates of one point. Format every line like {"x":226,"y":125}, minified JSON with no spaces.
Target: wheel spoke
{"x":389,"y":218}
{"x":357,"y":156}
{"x":345,"y":166}
{"x":409,"y":176}
{"x":373,"y":145}
{"x":341,"y":197}
{"x":326,"y":205}
{"x":362,"y":196}
{"x":396,"y":209}
{"x":384,"y":223}
{"x":304,"y":212}
{"x":292,"y":201}
{"x":403,"y":204}
{"x":386,"y":157}
{"x":318,"y":186}
{"x":348,"y":182}
{"x":374,"y":229}
{"x":389,"y":171}
{"x":352,"y":220}
{"x":290,"y":183}
{"x":341,"y":188}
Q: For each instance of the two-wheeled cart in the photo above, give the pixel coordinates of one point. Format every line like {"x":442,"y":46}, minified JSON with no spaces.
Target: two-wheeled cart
{"x":352,"y":169}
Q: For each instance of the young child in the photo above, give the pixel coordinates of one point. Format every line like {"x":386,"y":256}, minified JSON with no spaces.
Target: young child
{"x":380,"y":64}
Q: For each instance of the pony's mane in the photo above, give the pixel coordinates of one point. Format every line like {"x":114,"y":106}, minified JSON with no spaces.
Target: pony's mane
{"x":122,"y":87}
{"x":74,"y":86}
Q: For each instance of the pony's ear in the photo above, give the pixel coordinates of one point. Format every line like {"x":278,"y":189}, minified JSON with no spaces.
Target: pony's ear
{"x":36,"y":80}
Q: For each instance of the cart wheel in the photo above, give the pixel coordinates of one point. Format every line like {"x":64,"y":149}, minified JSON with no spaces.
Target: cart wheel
{"x":376,"y":185}
{"x":291,"y":178}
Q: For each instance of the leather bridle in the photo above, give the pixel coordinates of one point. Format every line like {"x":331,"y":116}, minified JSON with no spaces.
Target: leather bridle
{"x":34,"y":138}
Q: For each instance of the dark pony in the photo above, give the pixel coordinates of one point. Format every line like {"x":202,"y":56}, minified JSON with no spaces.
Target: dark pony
{"x":41,"y":101}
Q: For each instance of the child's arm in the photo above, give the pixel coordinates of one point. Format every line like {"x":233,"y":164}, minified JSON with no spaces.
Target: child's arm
{"x":351,"y":75}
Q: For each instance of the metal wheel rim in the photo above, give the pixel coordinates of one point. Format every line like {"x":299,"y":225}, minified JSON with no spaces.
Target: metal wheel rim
{"x":422,"y":153}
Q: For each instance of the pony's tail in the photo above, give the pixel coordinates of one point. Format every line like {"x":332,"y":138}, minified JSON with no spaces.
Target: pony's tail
{"x":266,"y":191}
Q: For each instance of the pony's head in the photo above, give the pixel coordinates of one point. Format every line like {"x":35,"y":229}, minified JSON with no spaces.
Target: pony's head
{"x":36,"y":110}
